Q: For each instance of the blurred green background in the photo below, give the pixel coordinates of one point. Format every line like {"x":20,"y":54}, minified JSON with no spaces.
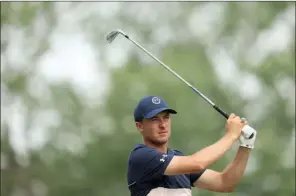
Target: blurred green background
{"x":67,"y":96}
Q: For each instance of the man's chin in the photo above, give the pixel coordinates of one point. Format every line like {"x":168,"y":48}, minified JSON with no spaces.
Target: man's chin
{"x":160,"y":142}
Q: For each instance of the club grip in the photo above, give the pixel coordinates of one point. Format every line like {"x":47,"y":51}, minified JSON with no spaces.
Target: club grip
{"x":247,"y":132}
{"x":221,"y":111}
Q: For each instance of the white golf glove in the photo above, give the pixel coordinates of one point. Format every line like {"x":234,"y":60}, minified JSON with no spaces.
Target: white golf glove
{"x":248,"y":143}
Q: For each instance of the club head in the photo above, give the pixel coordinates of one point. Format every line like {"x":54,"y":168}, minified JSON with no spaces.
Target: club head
{"x":113,"y":34}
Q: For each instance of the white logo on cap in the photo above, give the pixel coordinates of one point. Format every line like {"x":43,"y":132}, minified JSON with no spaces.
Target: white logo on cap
{"x":155,"y":100}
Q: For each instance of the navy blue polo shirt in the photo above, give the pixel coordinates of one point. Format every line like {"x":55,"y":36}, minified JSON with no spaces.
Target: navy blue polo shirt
{"x":145,"y":176}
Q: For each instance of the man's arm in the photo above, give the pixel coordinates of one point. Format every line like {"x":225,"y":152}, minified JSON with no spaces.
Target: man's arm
{"x":201,"y":159}
{"x":227,"y":180}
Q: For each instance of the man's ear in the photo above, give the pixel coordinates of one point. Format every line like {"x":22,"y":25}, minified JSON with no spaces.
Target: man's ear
{"x":139,"y":126}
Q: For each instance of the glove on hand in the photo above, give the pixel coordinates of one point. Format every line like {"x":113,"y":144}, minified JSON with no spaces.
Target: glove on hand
{"x":248,"y":143}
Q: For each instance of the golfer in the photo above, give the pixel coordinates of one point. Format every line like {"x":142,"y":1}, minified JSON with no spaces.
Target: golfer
{"x":156,"y":170}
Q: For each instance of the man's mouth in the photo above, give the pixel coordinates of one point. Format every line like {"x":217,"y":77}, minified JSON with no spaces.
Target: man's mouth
{"x":163,"y":132}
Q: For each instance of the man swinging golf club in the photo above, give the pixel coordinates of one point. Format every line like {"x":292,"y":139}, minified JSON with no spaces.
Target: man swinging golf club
{"x":156,"y":170}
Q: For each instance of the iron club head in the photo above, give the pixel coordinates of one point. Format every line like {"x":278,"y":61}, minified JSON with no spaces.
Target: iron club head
{"x":113,"y":34}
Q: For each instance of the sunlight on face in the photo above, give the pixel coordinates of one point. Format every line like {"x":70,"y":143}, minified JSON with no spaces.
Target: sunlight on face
{"x":157,"y":129}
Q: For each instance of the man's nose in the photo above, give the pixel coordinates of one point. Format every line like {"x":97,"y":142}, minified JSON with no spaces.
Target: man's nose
{"x":161,"y":123}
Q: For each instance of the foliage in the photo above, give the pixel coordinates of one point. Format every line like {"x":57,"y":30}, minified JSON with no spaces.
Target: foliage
{"x":87,"y":145}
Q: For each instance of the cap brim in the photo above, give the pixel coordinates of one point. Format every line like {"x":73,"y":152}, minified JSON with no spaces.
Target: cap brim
{"x":157,"y":111}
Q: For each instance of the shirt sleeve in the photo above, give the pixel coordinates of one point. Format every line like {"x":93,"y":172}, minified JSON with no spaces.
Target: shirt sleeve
{"x":150,"y":163}
{"x":195,"y":176}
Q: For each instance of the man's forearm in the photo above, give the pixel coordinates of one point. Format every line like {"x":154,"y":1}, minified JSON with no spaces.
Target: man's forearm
{"x":209,"y":155}
{"x":235,"y":170}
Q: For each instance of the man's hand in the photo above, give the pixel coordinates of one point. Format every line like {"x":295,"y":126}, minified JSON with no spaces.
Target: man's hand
{"x":248,"y":143}
{"x":234,"y":126}
{"x":204,"y":158}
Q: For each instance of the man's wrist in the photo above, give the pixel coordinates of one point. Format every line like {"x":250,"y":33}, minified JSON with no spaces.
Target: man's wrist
{"x":231,"y":137}
{"x":245,"y":148}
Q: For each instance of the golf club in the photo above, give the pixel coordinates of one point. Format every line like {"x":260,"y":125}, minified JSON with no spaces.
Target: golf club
{"x":246,"y":132}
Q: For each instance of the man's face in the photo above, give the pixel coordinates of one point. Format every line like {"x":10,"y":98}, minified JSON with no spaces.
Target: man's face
{"x":157,"y":129}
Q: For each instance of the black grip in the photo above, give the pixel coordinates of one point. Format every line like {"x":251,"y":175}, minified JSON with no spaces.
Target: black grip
{"x":221,"y":111}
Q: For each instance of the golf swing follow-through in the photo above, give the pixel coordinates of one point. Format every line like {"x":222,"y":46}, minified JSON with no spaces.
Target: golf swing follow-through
{"x":154,"y":169}
{"x":247,"y":132}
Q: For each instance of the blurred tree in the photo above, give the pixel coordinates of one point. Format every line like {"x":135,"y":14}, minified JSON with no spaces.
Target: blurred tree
{"x":81,"y":158}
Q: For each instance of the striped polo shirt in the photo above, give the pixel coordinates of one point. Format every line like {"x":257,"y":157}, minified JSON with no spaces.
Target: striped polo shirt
{"x":145,"y":176}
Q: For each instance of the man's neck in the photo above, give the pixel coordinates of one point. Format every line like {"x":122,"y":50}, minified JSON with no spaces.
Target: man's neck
{"x":162,"y":148}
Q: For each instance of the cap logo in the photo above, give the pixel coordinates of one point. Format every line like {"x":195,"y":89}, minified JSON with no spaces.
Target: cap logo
{"x":155,"y":100}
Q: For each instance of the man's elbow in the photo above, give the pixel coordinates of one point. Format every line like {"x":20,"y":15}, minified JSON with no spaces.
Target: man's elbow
{"x":228,"y":185}
{"x":228,"y":189}
{"x":222,"y":189}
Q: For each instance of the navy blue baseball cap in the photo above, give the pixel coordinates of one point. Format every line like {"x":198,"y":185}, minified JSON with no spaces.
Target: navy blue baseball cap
{"x":150,"y":106}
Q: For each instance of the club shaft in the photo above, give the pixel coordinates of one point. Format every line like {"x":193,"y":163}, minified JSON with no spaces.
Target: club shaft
{"x":246,"y":134}
{"x":173,"y":72}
